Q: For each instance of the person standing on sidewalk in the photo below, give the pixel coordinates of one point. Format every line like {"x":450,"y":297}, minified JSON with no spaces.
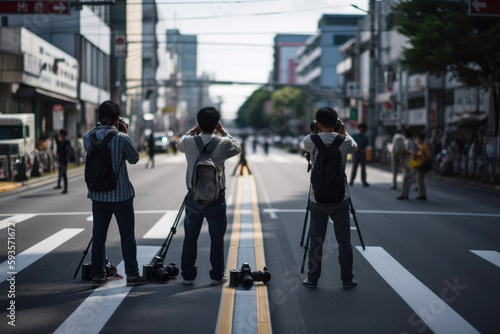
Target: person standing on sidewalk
{"x":215,"y":212}
{"x":359,"y":158}
{"x":65,"y":154}
{"x":408,"y":172}
{"x":424,"y":153}
{"x":398,"y":154}
{"x":327,"y":119}
{"x":118,"y":201}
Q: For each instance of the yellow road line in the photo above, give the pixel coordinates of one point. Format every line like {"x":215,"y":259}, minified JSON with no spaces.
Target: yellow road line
{"x":225,"y":324}
{"x":263,"y":314}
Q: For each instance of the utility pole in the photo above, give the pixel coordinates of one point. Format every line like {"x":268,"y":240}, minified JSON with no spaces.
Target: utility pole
{"x":372,"y":126}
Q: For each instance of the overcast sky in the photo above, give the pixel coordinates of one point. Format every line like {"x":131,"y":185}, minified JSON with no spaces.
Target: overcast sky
{"x":236,"y":38}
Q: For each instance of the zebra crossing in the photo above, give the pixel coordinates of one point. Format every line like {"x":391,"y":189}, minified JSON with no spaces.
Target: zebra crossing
{"x":404,"y":283}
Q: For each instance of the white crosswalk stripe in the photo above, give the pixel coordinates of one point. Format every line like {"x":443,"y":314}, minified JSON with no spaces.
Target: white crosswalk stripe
{"x":162,"y":227}
{"x":15,"y":219}
{"x":432,"y":309}
{"x":490,"y":256}
{"x":36,"y":252}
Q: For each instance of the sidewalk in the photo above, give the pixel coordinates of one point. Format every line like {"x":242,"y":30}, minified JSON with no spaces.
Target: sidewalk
{"x":38,"y":181}
{"x":434,"y":176}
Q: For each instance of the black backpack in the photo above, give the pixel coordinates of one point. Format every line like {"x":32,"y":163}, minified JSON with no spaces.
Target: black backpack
{"x":99,"y":174}
{"x":328,"y":175}
{"x":205,"y":181}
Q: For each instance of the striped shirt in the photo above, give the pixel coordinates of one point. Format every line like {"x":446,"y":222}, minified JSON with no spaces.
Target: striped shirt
{"x":121,"y":148}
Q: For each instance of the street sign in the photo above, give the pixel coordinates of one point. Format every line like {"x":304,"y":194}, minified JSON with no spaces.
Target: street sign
{"x":35,"y":7}
{"x":484,"y":7}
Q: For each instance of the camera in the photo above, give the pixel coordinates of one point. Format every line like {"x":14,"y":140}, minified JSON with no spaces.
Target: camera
{"x":314,"y":126}
{"x":337,"y":125}
{"x":121,"y":125}
{"x":157,"y":271}
{"x":110,"y":270}
{"x":245,"y":276}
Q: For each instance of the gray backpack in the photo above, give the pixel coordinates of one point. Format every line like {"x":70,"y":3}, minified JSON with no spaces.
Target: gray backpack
{"x":205,"y":181}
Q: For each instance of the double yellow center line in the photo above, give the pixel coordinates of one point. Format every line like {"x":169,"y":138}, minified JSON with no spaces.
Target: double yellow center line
{"x":226,"y":314}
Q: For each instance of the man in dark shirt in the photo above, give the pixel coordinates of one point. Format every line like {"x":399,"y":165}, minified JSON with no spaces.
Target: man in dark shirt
{"x":64,"y":155}
{"x":360,"y":156}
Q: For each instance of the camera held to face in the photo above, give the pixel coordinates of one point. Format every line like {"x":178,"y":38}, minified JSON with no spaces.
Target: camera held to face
{"x":122,"y":125}
{"x":111,"y":270}
{"x":157,"y":271}
{"x":245,"y":276}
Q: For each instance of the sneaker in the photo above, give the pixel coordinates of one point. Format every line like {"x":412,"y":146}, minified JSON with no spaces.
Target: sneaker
{"x":421,"y":198}
{"x":98,"y":281}
{"x":309,"y":284}
{"x":366,"y":184}
{"x":136,"y":280}
{"x":64,"y":192}
{"x":57,"y":187}
{"x":188,"y":281}
{"x":349,"y":283}
{"x":221,"y":281}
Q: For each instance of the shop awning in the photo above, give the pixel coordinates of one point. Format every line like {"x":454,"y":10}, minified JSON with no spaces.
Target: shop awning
{"x":467,"y":119}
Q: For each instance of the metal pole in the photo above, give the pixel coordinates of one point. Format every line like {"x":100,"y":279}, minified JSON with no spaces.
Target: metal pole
{"x":371,"y":97}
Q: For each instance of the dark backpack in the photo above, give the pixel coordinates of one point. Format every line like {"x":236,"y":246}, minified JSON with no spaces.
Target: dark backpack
{"x":99,"y":174}
{"x":205,"y":181}
{"x":328,"y":175}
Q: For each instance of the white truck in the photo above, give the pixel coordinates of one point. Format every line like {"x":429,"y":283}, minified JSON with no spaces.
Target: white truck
{"x":17,"y":137}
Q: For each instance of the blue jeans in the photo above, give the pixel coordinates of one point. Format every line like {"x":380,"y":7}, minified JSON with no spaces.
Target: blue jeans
{"x":215,"y":213}
{"x":102,"y":213}
{"x":339,"y":213}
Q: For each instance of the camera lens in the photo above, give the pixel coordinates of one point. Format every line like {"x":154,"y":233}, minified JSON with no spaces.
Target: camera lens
{"x":162,"y":275}
{"x":172,"y":269}
{"x":247,"y":281}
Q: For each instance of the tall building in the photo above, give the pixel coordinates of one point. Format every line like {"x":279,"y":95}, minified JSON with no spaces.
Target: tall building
{"x":320,"y":55}
{"x":285,"y":57}
{"x":185,"y":91}
{"x":72,"y":54}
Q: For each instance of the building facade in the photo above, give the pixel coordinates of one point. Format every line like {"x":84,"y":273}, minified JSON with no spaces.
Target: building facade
{"x":286,"y":60}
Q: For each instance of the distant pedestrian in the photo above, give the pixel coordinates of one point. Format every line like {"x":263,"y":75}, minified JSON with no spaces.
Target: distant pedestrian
{"x":118,"y":201}
{"x":65,"y":154}
{"x":151,"y":151}
{"x":254,"y":144}
{"x":221,"y":148}
{"x":266,"y":146}
{"x":424,"y":153}
{"x":398,"y":154}
{"x":359,"y":158}
{"x":243,"y":160}
{"x":327,"y":119}
{"x":408,"y":172}
{"x":473,"y":153}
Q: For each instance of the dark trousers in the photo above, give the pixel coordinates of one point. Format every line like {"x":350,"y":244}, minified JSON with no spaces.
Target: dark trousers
{"x":102,"y":213}
{"x":215,"y":213}
{"x":358,"y":158}
{"x":63,"y":175}
{"x":339,"y":213}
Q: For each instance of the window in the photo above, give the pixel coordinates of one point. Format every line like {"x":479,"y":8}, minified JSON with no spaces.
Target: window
{"x":341,"y":39}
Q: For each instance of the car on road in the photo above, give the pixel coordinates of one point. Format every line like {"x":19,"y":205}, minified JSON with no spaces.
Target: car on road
{"x":162,"y":142}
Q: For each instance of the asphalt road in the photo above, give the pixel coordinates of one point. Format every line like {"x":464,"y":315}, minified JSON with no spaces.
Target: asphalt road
{"x":418,"y":273}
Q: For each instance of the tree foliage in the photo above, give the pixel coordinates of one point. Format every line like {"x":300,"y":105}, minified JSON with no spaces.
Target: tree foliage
{"x":288,"y":101}
{"x":443,"y":37}
{"x":251,"y":113}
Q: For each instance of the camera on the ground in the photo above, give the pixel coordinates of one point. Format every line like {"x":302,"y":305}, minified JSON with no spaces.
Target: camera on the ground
{"x":246,"y":277}
{"x":160,"y":272}
{"x":86,"y":268}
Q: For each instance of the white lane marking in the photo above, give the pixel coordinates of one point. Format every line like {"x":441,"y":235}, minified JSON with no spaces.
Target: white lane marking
{"x":34,"y":253}
{"x":392,"y":212}
{"x":162,"y":228}
{"x":264,"y":193}
{"x":440,"y":317}
{"x":95,"y":311}
{"x":15,"y":219}
{"x":90,"y":218}
{"x":490,"y":256}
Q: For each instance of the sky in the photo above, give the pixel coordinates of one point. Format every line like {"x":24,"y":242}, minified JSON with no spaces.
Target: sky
{"x":235,"y":38}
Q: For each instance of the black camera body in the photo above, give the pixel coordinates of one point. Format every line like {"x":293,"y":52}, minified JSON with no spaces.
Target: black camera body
{"x":86,"y":268}
{"x":246,"y":277}
{"x":157,"y":271}
{"x":121,"y":125}
{"x":314,"y":126}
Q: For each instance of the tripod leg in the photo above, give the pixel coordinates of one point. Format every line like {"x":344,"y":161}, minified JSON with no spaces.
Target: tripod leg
{"x":306,"y":217}
{"x":306,"y":248}
{"x":85,"y":252}
{"x":356,"y":223}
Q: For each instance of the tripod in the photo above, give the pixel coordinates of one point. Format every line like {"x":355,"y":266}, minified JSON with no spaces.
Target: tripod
{"x":353,"y":212}
{"x":85,"y":252}
{"x":308,"y":201}
{"x":155,"y":269}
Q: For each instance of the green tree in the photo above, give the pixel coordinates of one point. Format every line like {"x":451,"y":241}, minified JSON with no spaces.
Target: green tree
{"x":251,"y":113}
{"x":444,"y":38}
{"x":287,"y":104}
